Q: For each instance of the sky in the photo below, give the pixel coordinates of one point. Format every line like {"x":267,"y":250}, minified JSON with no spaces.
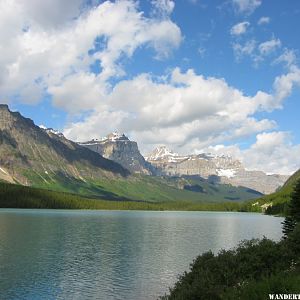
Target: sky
{"x":194,"y":75}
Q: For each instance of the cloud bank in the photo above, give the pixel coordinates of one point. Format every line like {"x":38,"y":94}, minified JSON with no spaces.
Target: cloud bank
{"x":78,"y":59}
{"x":188,"y":112}
{"x":44,"y":53}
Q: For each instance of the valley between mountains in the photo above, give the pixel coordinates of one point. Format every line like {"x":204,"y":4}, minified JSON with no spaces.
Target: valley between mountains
{"x":37,"y":163}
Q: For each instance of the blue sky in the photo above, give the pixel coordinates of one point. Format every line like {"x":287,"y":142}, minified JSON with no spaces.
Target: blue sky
{"x":196,"y":75}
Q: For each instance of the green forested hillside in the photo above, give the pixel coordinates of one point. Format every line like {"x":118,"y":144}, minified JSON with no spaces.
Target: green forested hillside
{"x":148,"y":188}
{"x":275,"y":203}
{"x":17,"y":196}
{"x":292,"y":180}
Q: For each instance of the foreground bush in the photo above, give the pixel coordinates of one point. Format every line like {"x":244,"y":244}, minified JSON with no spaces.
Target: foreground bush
{"x":280,"y":283}
{"x":236,"y":271}
{"x":253,"y":270}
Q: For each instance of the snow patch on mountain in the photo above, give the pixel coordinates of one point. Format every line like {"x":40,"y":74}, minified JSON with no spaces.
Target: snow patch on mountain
{"x":229,"y":173}
{"x":207,"y":165}
{"x":112,"y":137}
{"x":51,"y":130}
{"x":163,"y":152}
{"x":116,"y":136}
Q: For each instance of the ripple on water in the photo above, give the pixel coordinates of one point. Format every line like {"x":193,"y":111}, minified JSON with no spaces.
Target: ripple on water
{"x":47,"y":254}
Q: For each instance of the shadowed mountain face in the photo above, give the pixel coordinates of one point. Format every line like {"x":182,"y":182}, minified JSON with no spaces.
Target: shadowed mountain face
{"x":29,"y":154}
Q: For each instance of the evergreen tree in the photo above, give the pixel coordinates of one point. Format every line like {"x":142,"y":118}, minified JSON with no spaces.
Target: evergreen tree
{"x":293,"y":217}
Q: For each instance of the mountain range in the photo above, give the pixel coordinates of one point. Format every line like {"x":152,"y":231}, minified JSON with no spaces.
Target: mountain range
{"x":162,"y":161}
{"x":44,"y":158}
{"x":215,"y":168}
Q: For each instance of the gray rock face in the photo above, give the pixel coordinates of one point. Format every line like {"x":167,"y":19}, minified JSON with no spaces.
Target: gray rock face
{"x":120,"y":149}
{"x":257,"y":180}
{"x":222,"y":169}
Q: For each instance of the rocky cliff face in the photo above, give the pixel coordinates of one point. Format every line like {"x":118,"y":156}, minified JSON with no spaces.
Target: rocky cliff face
{"x":30,"y":154}
{"x":222,"y":169}
{"x":120,"y":149}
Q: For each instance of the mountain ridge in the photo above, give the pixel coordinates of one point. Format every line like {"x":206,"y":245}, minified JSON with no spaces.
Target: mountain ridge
{"x":42,"y":158}
{"x":217,"y":168}
{"x":25,"y":145}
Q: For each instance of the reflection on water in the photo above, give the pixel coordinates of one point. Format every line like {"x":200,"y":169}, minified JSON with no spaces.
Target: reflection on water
{"x":51,"y":254}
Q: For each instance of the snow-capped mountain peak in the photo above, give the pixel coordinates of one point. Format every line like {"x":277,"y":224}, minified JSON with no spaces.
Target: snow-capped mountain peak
{"x":116,"y":136}
{"x":51,"y":130}
{"x":43,"y":126}
{"x":119,"y":148}
{"x":162,"y":152}
{"x":112,"y":137}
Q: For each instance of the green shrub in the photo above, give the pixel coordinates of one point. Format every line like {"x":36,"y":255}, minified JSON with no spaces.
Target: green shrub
{"x":253,"y":270}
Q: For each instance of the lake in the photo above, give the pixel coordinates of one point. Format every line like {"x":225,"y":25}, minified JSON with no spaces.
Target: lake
{"x":67,"y":254}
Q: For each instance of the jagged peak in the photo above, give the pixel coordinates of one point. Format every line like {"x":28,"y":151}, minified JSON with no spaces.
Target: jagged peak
{"x":11,"y":117}
{"x":111,"y":137}
{"x":164,"y":153}
{"x":161,"y":152}
{"x":116,"y":136}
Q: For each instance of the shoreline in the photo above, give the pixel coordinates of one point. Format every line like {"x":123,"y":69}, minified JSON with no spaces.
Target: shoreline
{"x":129,"y":210}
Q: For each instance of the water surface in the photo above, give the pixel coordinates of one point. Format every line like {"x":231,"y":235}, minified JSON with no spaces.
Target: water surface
{"x":65,"y":254}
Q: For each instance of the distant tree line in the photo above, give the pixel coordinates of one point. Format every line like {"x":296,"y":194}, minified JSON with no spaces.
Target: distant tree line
{"x":17,"y":196}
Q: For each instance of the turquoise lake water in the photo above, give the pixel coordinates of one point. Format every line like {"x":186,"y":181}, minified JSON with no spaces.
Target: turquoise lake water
{"x":67,"y":254}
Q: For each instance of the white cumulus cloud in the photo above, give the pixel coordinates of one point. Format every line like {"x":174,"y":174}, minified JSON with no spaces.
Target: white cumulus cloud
{"x":186,"y":111}
{"x":288,"y":57}
{"x":179,"y":108}
{"x":264,"y":20}
{"x":239,"y":28}
{"x":284,"y":84}
{"x":163,"y":8}
{"x":258,"y":52}
{"x":272,"y":152}
{"x":40,"y":54}
{"x":246,"y":6}
{"x":246,"y":49}
{"x":269,"y":46}
{"x":51,"y":48}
